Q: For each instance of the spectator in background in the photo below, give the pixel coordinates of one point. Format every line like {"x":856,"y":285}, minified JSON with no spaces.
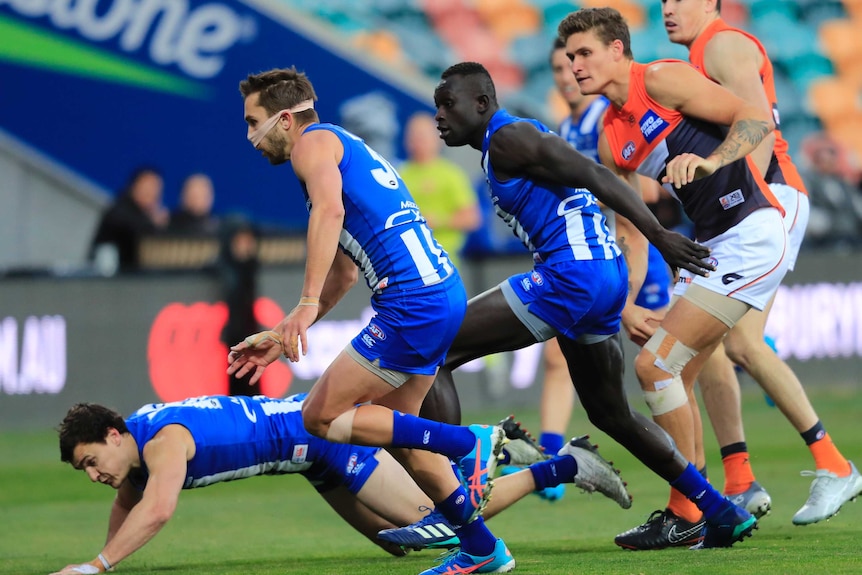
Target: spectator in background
{"x":237,"y":270}
{"x":194,"y":214}
{"x":137,"y":212}
{"x":836,"y":202}
{"x":441,"y":188}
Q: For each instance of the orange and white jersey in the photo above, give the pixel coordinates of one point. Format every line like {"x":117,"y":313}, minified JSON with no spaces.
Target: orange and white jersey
{"x":644,"y":136}
{"x":781,"y":168}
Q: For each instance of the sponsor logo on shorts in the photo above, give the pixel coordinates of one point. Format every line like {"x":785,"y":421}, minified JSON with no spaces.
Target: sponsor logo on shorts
{"x":525,"y":283}
{"x":651,"y":126}
{"x":730,"y":278}
{"x":426,"y":437}
{"x":376,"y":331}
{"x":459,"y":500}
{"x":732,"y":199}
{"x":367,"y":340}
{"x":300,"y":452}
{"x":537,"y":278}
{"x":629,"y":150}
{"x":354,"y":468}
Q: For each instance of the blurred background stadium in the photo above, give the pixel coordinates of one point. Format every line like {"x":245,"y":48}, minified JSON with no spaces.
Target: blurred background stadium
{"x":89,"y":91}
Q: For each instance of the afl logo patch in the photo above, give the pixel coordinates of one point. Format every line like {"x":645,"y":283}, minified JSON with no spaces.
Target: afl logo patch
{"x":375,"y":330}
{"x":537,"y":278}
{"x":628,"y":150}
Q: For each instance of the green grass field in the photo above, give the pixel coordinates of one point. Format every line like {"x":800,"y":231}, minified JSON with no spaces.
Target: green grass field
{"x":51,"y":515}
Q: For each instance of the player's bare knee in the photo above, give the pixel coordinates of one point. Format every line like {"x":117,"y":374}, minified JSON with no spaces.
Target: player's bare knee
{"x":644,"y":366}
{"x":741,"y":351}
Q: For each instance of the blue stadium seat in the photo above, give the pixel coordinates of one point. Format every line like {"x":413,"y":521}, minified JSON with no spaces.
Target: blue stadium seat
{"x":768,"y":9}
{"x":423,"y":46}
{"x":815,"y":12}
{"x":531,"y":53}
{"x":652,"y":43}
{"x":806,"y":68}
{"x":790,"y":99}
{"x":795,"y":128}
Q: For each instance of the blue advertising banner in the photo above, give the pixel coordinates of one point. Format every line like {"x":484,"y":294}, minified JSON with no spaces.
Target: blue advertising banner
{"x":103,"y":86}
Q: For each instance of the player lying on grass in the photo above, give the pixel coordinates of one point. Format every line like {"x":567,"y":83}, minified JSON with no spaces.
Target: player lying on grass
{"x":164,"y":448}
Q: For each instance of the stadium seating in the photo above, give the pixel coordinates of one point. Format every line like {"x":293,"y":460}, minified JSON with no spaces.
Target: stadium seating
{"x":813,"y":43}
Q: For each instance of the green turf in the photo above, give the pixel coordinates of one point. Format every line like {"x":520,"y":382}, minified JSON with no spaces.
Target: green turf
{"x":51,"y":515}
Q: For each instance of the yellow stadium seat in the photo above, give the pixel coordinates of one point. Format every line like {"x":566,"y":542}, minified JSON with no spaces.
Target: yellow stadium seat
{"x":842,"y":41}
{"x":631,"y":11}
{"x":834,"y":100}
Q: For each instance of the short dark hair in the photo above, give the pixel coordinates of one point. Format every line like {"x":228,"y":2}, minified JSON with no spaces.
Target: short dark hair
{"x":280,"y":89}
{"x":608,"y":24}
{"x":87,"y":423}
{"x":557,"y":44}
{"x":477,"y":71}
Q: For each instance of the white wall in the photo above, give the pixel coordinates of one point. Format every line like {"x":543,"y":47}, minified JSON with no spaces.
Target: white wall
{"x":47,"y":213}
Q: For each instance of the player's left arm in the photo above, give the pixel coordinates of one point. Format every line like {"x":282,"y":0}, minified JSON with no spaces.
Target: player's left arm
{"x":315,"y":159}
{"x":166,"y":457}
{"x":635,"y":248}
{"x":342,"y":276}
{"x":734,"y":61}
{"x":520,"y":149}
{"x":680,"y":87}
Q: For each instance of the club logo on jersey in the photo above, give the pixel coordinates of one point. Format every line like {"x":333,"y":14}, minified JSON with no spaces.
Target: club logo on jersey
{"x":628,"y":150}
{"x":651,"y":126}
{"x":537,"y":278}
{"x":376,"y":331}
{"x":300,"y":453}
{"x":732,"y":199}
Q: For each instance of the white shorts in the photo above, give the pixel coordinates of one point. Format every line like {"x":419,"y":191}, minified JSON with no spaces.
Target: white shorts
{"x":796,"y":210}
{"x":749,"y":260}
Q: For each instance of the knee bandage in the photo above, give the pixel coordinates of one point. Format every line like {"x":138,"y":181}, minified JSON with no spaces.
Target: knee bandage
{"x":671,"y":357}
{"x":341,"y":428}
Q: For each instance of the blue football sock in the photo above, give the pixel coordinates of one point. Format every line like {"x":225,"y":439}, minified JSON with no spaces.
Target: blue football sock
{"x":552,"y":442}
{"x":475,"y":538}
{"x":692,"y":484}
{"x":456,"y":508}
{"x":416,"y":433}
{"x":550,"y":473}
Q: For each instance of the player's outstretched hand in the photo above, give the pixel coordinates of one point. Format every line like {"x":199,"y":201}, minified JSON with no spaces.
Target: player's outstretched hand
{"x":84,"y":568}
{"x":253,"y":355}
{"x":682,"y":253}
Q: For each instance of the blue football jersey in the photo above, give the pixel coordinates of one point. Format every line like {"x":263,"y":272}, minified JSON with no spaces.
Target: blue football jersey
{"x":554,"y":222}
{"x":583,"y":134}
{"x":235,"y":437}
{"x":384,"y":231}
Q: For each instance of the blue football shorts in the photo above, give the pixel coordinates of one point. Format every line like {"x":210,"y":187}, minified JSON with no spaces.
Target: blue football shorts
{"x":412,"y":330}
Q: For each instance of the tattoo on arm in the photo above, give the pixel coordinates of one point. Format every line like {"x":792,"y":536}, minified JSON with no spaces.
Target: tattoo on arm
{"x":748,"y":133}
